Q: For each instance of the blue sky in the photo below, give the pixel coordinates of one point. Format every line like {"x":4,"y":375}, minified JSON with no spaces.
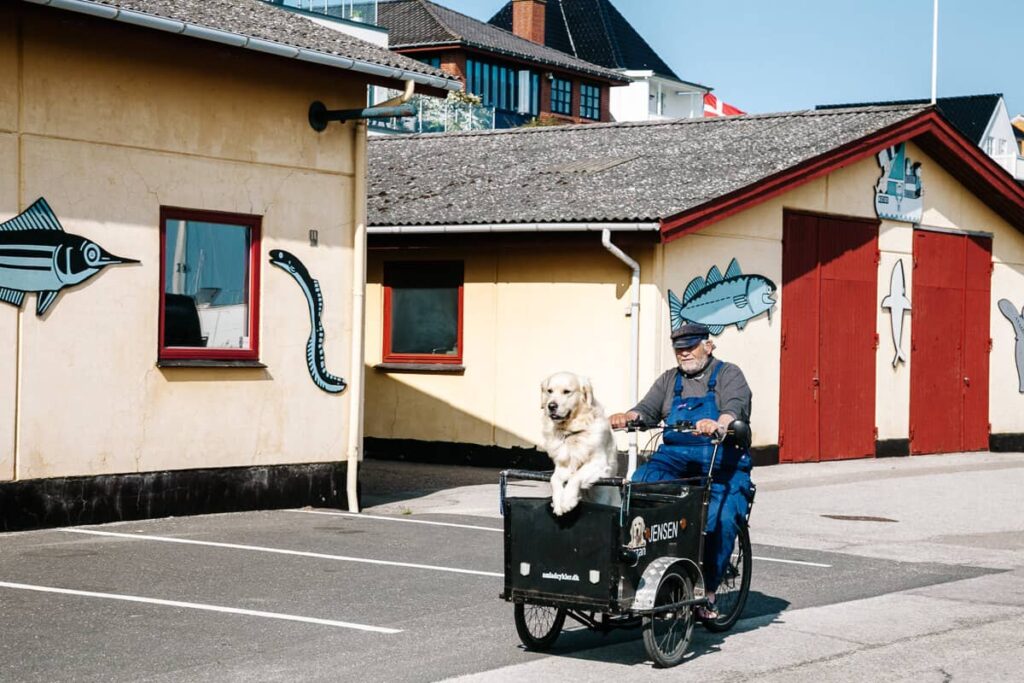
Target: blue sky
{"x":781,"y":55}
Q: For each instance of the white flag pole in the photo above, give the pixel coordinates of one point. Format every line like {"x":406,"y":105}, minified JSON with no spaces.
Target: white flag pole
{"x":935,"y":47}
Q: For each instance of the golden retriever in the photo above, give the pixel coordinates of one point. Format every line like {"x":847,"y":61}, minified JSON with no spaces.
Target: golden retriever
{"x":577,"y":438}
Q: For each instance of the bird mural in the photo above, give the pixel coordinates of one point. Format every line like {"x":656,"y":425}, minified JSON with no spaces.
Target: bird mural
{"x":718,"y":301}
{"x":896,"y":302}
{"x":1016,"y":319}
{"x":36,"y":255}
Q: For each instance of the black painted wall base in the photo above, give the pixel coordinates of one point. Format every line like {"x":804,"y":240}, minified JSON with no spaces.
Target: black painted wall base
{"x":892,"y":448}
{"x":61,"y":501}
{"x":1006,"y":443}
{"x":475,"y":455}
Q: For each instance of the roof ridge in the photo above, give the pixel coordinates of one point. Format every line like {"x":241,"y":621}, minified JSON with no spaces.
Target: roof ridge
{"x":426,"y":5}
{"x":650,"y":124}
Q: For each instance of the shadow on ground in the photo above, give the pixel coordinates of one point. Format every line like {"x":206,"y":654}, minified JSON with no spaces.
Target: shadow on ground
{"x":388,"y":481}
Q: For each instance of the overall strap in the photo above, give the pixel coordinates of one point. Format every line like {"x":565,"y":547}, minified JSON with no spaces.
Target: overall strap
{"x":678,"y":391}
{"x":713,"y":380}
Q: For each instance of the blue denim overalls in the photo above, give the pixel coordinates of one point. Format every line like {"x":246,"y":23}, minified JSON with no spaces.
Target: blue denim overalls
{"x":684,"y":455}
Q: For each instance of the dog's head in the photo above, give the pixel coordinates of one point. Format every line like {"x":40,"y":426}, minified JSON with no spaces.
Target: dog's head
{"x":563,"y":395}
{"x":636,"y":532}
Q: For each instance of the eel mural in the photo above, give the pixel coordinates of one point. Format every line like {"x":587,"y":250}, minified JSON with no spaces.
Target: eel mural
{"x":36,"y":255}
{"x":1016,"y":319}
{"x":722,"y":300}
{"x":315,"y":346}
{"x":897,"y":303}
{"x":898,"y":193}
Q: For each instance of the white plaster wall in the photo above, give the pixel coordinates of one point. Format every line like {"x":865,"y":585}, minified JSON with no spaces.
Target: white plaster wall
{"x":630,"y":102}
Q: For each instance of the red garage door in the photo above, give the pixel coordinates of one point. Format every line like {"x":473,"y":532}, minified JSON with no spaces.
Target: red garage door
{"x":829,"y":287}
{"x":950,"y":342}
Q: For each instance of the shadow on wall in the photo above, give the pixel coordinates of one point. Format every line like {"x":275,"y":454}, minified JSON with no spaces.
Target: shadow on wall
{"x":456,"y":437}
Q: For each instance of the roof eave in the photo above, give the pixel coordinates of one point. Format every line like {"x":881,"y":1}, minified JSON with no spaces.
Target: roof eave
{"x":939,"y":139}
{"x":151,"y":21}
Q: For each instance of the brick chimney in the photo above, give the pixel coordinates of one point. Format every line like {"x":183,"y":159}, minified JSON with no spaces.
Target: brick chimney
{"x":528,"y":19}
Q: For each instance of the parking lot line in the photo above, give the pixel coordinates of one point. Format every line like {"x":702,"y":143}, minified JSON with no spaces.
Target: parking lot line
{"x":800,"y":562}
{"x":278,"y":551}
{"x":198,"y":606}
{"x":396,"y":519}
{"x":487,"y":528}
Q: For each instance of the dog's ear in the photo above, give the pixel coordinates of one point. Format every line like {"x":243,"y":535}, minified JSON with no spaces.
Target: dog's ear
{"x":587,"y":390}
{"x":543,"y":394}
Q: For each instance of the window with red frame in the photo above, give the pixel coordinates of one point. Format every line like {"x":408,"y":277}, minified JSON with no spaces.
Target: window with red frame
{"x":423,"y":312}
{"x":209,"y":295}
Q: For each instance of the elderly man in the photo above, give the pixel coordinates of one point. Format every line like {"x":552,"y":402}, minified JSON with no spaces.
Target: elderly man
{"x":710,"y":394}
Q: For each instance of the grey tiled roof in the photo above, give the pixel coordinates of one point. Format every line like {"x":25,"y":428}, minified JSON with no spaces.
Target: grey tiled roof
{"x":599,"y":172}
{"x":420,"y":23}
{"x":256,"y":19}
{"x":969,"y":113}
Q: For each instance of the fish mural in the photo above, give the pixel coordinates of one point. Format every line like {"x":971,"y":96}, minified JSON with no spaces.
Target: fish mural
{"x":896,"y":302}
{"x":898,"y":192}
{"x":722,"y":300}
{"x":1016,"y":319}
{"x":36,"y":255}
{"x":290,"y":264}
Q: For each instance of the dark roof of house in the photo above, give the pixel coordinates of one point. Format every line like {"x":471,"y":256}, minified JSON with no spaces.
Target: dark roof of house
{"x":595,"y":31}
{"x":421,"y":23}
{"x":969,"y":113}
{"x":643,"y":171}
{"x":254,"y":20}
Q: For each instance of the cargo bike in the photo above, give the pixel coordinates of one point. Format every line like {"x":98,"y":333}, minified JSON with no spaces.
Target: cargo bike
{"x":636,"y":562}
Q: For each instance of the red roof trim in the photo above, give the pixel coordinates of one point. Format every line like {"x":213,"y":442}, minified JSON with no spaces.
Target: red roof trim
{"x":938,"y":138}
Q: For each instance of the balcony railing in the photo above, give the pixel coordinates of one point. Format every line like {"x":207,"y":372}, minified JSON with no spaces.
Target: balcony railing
{"x":363,"y":11}
{"x":435,"y":115}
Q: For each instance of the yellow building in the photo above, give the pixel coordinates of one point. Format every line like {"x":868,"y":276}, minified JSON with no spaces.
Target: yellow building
{"x":160,"y":349}
{"x":854,"y":263}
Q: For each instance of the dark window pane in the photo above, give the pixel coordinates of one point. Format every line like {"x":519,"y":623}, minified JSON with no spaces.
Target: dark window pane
{"x":425,"y":320}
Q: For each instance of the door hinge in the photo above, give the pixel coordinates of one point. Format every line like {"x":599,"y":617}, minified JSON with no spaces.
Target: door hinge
{"x":876,"y":342}
{"x":878,"y":256}
{"x":911,"y":433}
{"x":876,"y":433}
{"x":989,"y":427}
{"x":782,"y":438}
{"x":990,"y":344}
{"x":783,"y":341}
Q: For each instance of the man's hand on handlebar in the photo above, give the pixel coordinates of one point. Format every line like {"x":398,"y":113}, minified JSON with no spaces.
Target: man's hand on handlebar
{"x":620,"y":420}
{"x":706,"y":427}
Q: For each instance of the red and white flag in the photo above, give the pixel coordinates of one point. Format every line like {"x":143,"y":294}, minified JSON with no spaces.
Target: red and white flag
{"x":716,"y":107}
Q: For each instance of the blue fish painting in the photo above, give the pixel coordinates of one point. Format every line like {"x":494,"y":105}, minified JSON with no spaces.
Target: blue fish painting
{"x":36,"y":255}
{"x":722,"y":300}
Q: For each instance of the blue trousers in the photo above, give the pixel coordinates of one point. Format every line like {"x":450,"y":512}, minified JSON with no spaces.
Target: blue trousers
{"x":730,"y":491}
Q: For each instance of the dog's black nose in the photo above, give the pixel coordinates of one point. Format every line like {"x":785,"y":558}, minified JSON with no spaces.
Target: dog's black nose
{"x":552,"y":405}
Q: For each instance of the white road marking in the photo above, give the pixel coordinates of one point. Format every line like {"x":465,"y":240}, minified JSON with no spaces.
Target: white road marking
{"x":396,"y":519}
{"x":487,"y":528}
{"x":198,"y":606}
{"x":278,"y":551}
{"x":806,"y":564}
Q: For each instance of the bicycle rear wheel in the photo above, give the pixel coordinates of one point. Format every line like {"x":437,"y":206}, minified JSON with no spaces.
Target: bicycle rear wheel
{"x":731,"y":596}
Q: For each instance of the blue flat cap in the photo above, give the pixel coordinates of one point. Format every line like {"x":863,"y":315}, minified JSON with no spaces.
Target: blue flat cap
{"x":690,"y":334}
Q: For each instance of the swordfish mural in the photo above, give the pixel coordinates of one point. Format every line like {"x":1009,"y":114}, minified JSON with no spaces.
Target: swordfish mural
{"x":36,"y":255}
{"x":1016,"y":319}
{"x":722,"y":300}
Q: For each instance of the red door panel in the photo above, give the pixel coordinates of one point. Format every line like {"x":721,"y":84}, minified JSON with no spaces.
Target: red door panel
{"x":798,"y":405}
{"x":827,"y":407}
{"x":848,"y":322}
{"x":977,"y":306}
{"x":950,"y":334}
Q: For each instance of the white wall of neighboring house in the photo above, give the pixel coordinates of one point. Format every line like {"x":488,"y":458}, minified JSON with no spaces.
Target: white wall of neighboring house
{"x":651,"y":98}
{"x":1000,"y":143}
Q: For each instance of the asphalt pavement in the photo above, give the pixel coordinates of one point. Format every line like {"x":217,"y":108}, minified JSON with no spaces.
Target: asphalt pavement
{"x":908,"y":568}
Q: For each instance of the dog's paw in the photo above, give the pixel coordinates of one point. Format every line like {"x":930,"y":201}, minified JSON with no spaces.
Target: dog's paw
{"x":569,"y":502}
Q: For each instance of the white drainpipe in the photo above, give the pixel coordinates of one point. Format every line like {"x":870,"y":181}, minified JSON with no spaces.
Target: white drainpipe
{"x":357,"y":387}
{"x":634,"y":341}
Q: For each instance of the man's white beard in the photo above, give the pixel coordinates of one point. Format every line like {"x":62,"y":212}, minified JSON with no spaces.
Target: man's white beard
{"x":691,"y":367}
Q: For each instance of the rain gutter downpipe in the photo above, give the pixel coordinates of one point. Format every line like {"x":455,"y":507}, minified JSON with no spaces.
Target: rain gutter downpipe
{"x":634,"y":337}
{"x":354,"y":450}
